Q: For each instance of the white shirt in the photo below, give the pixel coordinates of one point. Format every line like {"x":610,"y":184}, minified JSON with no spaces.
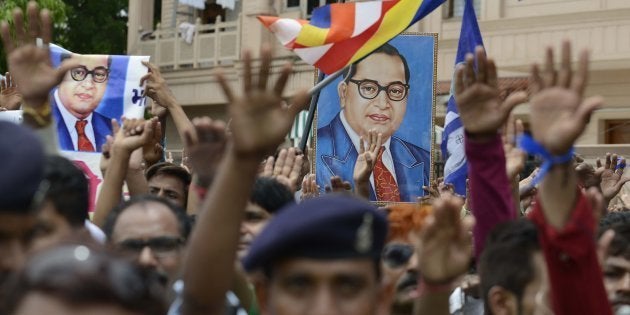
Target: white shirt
{"x":388,"y":161}
{"x":71,"y":121}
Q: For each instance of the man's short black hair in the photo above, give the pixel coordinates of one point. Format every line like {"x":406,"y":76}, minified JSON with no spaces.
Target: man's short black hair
{"x":180,"y":214}
{"x":385,"y":49}
{"x":619,"y":222}
{"x":506,"y":260}
{"x":166,"y":168}
{"x":65,"y":56}
{"x":270,"y":194}
{"x":68,"y":190}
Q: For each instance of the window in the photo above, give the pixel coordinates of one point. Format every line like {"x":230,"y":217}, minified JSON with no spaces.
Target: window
{"x":456,"y":8}
{"x":293,"y":3}
{"x":617,"y":131}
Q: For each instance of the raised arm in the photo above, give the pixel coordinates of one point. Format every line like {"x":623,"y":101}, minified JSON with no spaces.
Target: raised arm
{"x":259,"y":124}
{"x":133,"y":134}
{"x":483,"y":113}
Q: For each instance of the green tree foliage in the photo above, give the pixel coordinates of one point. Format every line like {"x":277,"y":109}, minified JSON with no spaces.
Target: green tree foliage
{"x":81,"y":26}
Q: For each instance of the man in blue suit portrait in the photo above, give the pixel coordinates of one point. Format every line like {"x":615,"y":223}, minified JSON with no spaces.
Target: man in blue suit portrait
{"x":79,"y":127}
{"x":373,"y":96}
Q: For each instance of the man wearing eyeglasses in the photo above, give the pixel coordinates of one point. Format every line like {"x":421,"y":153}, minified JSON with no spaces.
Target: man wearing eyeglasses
{"x":79,"y":127}
{"x":373,"y":96}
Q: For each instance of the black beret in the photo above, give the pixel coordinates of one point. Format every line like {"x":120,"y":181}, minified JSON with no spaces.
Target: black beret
{"x":328,"y":227}
{"x":21,"y":167}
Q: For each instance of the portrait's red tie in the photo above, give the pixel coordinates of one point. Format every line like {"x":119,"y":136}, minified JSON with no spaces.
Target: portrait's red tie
{"x":385,"y":185}
{"x":84,"y":143}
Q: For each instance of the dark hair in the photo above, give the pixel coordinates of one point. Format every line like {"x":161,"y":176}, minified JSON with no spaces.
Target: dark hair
{"x":81,"y":276}
{"x":68,"y":190}
{"x":180,"y":214}
{"x":65,"y":56}
{"x":620,"y":223}
{"x":170,"y":169}
{"x":385,"y":49}
{"x":270,"y":194}
{"x":506,"y":260}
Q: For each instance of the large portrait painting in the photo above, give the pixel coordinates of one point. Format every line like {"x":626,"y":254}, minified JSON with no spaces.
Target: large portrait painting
{"x":390,"y":92}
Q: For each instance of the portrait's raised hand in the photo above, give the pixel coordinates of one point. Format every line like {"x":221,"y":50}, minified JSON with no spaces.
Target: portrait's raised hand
{"x":478,"y":99}
{"x":338,"y":185}
{"x":260,"y":122}
{"x":612,"y":178}
{"x":206,"y":144}
{"x":286,"y":168}
{"x":445,"y":247}
{"x":29,"y":64}
{"x":10,"y":98}
{"x":559,"y":113}
{"x":368,"y":152}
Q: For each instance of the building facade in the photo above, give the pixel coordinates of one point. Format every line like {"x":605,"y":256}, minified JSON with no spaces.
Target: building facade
{"x":189,"y":44}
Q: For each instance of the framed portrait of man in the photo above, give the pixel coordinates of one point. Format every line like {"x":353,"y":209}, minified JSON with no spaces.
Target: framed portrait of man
{"x":390,"y":92}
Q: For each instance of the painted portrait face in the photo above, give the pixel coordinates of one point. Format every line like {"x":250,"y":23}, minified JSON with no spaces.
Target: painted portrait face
{"x":84,"y":86}
{"x":375,"y":97}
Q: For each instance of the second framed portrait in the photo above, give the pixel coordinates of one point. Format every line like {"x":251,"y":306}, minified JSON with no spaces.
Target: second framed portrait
{"x":379,"y":114}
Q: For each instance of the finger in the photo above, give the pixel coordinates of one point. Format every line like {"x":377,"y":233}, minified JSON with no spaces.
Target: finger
{"x":346,"y":185}
{"x":225,"y":87}
{"x":145,"y":78}
{"x":297,"y":168}
{"x":481,"y":64}
{"x":459,"y":79}
{"x":379,"y":142}
{"x":613,"y":162}
{"x":509,"y":130}
{"x":268,"y":169}
{"x":282,"y":156}
{"x":247,"y":71}
{"x":549,"y":76}
{"x":598,"y":162}
{"x":7,"y":41}
{"x":469,"y":71}
{"x":152,"y":68}
{"x":189,"y":139}
{"x":362,"y":145}
{"x":283,"y":79}
{"x":115,"y":126}
{"x":512,"y":101}
{"x":300,"y":101}
{"x":263,"y":76}
{"x":32,"y":12}
{"x":18,"y":24}
{"x":519,"y":128}
{"x":491,"y":73}
{"x":535,"y":81}
{"x":45,"y":26}
{"x":3,"y":85}
{"x":588,"y":106}
{"x":288,"y":163}
{"x":581,"y":76}
{"x":564,"y":77}
{"x":64,"y":67}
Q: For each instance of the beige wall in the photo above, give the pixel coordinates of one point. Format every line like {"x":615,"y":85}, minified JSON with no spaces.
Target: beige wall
{"x":515,"y":34}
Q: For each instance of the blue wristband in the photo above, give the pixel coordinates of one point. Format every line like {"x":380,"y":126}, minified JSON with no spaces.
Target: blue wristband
{"x":531,"y":146}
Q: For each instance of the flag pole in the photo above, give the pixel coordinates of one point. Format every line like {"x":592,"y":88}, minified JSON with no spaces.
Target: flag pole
{"x":314,"y":92}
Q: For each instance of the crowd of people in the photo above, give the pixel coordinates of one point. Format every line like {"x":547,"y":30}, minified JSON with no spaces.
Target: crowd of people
{"x":243,"y":228}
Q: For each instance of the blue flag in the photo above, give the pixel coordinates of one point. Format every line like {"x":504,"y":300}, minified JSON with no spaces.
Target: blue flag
{"x":456,"y":167}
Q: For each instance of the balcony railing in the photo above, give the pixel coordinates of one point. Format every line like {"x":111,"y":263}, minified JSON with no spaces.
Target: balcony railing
{"x":212,"y":45}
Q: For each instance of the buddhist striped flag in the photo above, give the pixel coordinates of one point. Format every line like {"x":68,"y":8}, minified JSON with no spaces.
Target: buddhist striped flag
{"x":342,"y":33}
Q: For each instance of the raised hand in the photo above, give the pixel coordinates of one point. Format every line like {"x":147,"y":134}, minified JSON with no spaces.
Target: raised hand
{"x":612,"y":178}
{"x":310,"y":189}
{"x":206,"y":145}
{"x":514,"y":156}
{"x":134,"y":134}
{"x":368,"y":151}
{"x":478,"y":97}
{"x":29,"y":64}
{"x":157,"y":90}
{"x":10,"y":98}
{"x":259,"y":121}
{"x":559,"y":113}
{"x":445,"y":242}
{"x":286,"y":169}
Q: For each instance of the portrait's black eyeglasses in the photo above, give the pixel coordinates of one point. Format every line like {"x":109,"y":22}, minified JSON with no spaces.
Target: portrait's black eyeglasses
{"x":369,"y":89}
{"x":99,"y":74}
{"x":397,"y":255}
{"x":163,"y":246}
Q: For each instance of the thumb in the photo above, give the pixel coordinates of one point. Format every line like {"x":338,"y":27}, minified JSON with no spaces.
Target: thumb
{"x":513,"y":100}
{"x":65,"y":66}
{"x":583,"y":113}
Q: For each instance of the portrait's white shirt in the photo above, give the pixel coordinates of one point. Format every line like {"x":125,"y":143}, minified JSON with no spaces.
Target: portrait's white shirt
{"x":71,"y":122}
{"x":388,"y":161}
